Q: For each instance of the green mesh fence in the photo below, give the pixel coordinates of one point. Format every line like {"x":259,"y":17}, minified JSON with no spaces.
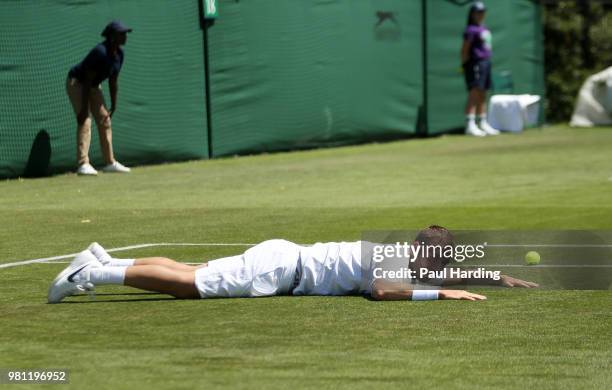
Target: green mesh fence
{"x":283,"y":74}
{"x":298,"y":74}
{"x":161,"y":111}
{"x":516,"y":27}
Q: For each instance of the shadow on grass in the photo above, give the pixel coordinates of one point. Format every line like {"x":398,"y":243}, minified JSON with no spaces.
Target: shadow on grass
{"x":121,"y":300}
{"x":159,"y":297}
{"x":127,"y":293}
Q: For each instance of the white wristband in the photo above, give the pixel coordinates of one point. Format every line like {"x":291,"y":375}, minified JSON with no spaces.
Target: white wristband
{"x":424,"y":295}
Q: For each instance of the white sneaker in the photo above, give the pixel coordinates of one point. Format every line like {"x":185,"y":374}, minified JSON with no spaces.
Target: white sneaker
{"x":100,"y":253}
{"x":487,"y":128}
{"x":74,"y":278}
{"x":474,"y":131}
{"x":116,"y":167}
{"x":86,"y":170}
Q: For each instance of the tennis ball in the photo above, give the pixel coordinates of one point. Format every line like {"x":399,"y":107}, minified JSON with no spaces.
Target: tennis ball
{"x":532,"y":258}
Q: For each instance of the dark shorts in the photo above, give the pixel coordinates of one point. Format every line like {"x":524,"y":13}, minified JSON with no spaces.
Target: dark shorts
{"x":477,"y":74}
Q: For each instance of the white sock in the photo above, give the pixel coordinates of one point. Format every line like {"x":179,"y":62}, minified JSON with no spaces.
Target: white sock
{"x":482,"y":118}
{"x":470,"y":119}
{"x":105,"y":259}
{"x":120,"y":262}
{"x":107,"y":275}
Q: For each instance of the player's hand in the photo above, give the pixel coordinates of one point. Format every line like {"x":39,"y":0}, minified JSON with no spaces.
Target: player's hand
{"x":509,"y":281}
{"x":111,"y":112}
{"x":461,"y":294}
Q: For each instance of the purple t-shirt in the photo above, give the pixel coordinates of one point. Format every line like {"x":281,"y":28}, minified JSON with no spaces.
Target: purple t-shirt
{"x":481,"y":42}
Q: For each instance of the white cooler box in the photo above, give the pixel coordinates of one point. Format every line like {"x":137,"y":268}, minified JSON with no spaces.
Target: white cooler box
{"x":514,"y":112}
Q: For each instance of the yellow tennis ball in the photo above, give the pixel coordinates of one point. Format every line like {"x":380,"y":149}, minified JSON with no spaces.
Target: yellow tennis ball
{"x":532,"y":258}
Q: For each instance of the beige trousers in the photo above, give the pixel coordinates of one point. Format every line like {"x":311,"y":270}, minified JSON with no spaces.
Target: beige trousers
{"x":103,"y":121}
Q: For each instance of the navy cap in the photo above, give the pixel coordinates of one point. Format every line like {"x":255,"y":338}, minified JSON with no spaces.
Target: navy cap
{"x":115,"y":25}
{"x":478,"y":6}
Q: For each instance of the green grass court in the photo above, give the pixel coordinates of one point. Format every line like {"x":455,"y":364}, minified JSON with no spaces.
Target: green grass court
{"x":556,"y":178}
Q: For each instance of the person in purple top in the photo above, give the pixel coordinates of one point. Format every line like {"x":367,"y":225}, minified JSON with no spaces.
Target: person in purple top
{"x":476,"y":60}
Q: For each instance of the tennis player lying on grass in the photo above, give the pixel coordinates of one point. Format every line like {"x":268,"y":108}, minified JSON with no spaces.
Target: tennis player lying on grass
{"x":274,"y":267}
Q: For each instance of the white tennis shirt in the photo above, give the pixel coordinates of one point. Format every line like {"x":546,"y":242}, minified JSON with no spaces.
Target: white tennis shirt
{"x":333,"y":268}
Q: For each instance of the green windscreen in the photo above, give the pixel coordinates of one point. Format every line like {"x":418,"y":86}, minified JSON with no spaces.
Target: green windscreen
{"x":298,"y":74}
{"x":282,"y":75}
{"x":161,"y":107}
{"x":517,"y":54}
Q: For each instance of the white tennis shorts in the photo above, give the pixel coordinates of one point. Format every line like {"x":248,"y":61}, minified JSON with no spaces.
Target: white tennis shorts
{"x":266,"y":269}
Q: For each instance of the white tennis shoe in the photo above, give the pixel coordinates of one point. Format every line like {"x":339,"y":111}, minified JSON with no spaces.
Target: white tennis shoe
{"x":487,"y":128}
{"x":474,"y":130}
{"x":116,"y":167}
{"x":74,"y":278}
{"x":86,"y":170}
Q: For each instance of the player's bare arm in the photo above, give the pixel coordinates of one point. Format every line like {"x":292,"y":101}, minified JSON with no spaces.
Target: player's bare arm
{"x":384,"y":290}
{"x":465,"y":51}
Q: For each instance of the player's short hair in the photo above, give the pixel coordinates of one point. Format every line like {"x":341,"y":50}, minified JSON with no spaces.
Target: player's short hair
{"x":438,"y":237}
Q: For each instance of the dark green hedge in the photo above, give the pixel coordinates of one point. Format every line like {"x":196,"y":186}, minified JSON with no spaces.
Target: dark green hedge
{"x":578,"y":36}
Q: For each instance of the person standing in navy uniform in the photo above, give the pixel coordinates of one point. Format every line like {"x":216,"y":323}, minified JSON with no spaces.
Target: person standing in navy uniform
{"x":476,"y":60}
{"x":103,"y":62}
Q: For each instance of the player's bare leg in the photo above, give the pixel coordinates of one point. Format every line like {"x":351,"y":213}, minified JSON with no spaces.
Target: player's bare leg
{"x":166,"y":262}
{"x":105,"y":258}
{"x":86,"y":273}
{"x":473,"y":101}
{"x":180,"y":284}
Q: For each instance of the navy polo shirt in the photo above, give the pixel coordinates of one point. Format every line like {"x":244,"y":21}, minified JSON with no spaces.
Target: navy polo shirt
{"x":101,"y":62}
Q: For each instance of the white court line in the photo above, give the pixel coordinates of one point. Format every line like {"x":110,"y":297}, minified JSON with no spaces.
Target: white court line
{"x":550,"y":245}
{"x":478,"y":265}
{"x":545,"y":265}
{"x":139,"y":246}
{"x":68,"y":262}
{"x":124,"y":248}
